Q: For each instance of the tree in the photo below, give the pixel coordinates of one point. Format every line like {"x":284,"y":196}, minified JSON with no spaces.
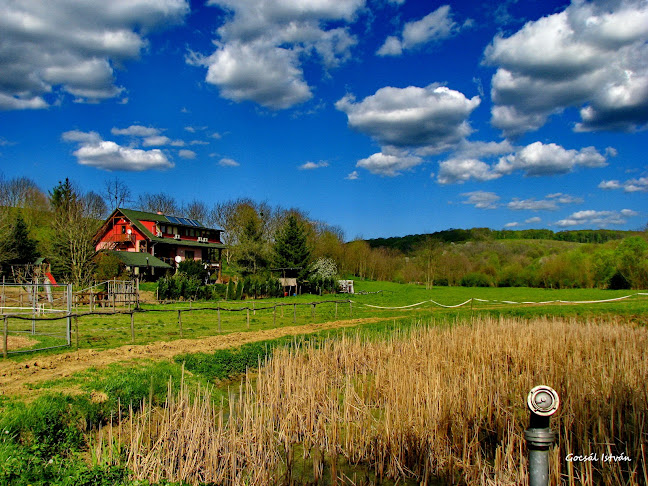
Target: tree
{"x":71,"y":245}
{"x":19,"y":248}
{"x":291,"y":248}
{"x":116,"y":193}
{"x":159,"y":202}
{"x":632,"y":261}
{"x":196,"y":210}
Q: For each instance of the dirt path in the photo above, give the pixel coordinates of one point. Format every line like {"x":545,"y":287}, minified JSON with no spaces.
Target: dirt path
{"x":17,"y":378}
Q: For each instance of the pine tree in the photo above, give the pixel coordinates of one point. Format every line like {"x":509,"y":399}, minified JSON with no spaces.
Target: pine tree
{"x":19,"y":247}
{"x":291,"y":249}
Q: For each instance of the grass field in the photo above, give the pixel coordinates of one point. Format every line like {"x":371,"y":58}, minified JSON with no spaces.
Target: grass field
{"x":593,"y":353}
{"x":157,"y":322}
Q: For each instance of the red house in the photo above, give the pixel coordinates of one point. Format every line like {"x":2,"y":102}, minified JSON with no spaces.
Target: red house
{"x":148,"y":241}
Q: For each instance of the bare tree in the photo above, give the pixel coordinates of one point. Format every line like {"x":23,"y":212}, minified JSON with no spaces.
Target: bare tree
{"x":94,"y":206}
{"x":116,"y":193}
{"x":158,"y":202}
{"x":196,"y":210}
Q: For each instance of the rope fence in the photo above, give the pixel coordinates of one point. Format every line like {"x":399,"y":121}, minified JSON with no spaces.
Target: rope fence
{"x":73,"y":317}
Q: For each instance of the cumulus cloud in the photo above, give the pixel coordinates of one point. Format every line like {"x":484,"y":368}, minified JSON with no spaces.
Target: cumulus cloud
{"x":591,"y":217}
{"x":313,"y":165}
{"x":389,"y":164}
{"x":352,"y":176}
{"x":136,"y":131}
{"x":481,"y":199}
{"x":261,"y":48}
{"x":434,"y":27}
{"x":93,"y":151}
{"x":56,"y":46}
{"x":631,"y":185}
{"x":536,"y":159}
{"x":227,"y":162}
{"x":592,"y":56}
{"x":458,"y":171}
{"x":434,"y":117}
{"x":551,"y":202}
{"x":187,"y":154}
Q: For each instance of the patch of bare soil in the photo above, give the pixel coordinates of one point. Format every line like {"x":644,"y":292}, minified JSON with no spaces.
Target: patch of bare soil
{"x":17,"y":378}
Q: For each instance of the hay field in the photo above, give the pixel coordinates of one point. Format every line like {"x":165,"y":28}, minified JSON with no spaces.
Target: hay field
{"x":429,"y":405}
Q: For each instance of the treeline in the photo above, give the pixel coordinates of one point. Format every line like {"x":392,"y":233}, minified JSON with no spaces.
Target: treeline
{"x":265,"y":243}
{"x":408,"y":243}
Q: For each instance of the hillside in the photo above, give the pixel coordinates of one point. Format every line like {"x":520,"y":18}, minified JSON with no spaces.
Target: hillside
{"x":409,"y":243}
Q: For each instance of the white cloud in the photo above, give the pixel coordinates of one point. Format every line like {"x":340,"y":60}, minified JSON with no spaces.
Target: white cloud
{"x":481,"y":199}
{"x":352,"y":176}
{"x":551,"y":202}
{"x":631,"y":185}
{"x":512,"y":224}
{"x":434,"y":27}
{"x":262,"y":45}
{"x":592,"y":56}
{"x":538,"y":159}
{"x":532,"y":220}
{"x":156,"y":141}
{"x":434,"y":117}
{"x":597,"y":218}
{"x":136,"y":131}
{"x":389,"y":164}
{"x":187,"y":154}
{"x":95,"y":152}
{"x":458,"y":171}
{"x":51,"y":47}
{"x":227,"y":162}
{"x":313,"y":165}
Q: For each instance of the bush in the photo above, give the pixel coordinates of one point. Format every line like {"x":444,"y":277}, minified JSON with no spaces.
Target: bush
{"x":476,"y":279}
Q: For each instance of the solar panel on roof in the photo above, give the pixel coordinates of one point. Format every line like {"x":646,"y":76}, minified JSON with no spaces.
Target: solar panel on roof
{"x":195,"y":222}
{"x":173,"y":219}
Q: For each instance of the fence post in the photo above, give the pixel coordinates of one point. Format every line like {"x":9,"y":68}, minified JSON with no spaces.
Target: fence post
{"x":180,"y":321}
{"x":274,"y":315}
{"x":76,"y":331}
{"x":247,"y":311}
{"x":132,"y":326}
{"x":294,"y":313}
{"x":350,"y":309}
{"x":313,"y":312}
{"x":68,"y":330}
{"x":219,"y":319}
{"x":336,"y":310}
{"x":5,"y":331}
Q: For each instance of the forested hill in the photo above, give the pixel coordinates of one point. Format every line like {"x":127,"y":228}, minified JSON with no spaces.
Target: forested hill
{"x":408,"y":243}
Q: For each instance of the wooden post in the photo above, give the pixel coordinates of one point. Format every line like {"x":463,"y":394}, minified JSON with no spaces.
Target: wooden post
{"x":253,"y":309}
{"x":91,"y":301}
{"x":132,"y":327}
{"x":76,"y":331}
{"x":219,"y":319}
{"x":336,"y":310}
{"x":247,"y":311}
{"x":294,"y":313}
{"x":5,"y":331}
{"x":313,"y":311}
{"x":180,"y":321}
{"x":274,"y":315}
{"x":350,"y":309}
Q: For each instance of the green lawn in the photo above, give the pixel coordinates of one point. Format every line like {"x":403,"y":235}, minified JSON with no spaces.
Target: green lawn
{"x":372,"y":299}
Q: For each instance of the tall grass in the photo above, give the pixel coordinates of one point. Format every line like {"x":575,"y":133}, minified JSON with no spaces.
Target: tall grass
{"x":428,"y":404}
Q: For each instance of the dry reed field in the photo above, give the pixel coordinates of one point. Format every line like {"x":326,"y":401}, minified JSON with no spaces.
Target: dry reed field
{"x":429,"y":405}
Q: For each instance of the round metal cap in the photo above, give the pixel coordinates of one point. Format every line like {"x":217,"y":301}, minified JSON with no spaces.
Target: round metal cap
{"x":543,"y":400}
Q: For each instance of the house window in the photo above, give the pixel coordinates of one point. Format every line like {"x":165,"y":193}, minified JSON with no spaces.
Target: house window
{"x":123,"y":230}
{"x":189,"y":255}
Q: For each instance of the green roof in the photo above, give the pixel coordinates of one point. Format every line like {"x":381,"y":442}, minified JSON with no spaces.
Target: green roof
{"x":136,"y":216}
{"x":139,"y":259}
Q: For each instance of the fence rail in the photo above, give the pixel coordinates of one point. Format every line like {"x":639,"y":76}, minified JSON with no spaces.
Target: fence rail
{"x":39,"y":321}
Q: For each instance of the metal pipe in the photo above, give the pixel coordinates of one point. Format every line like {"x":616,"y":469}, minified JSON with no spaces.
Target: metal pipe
{"x":543,"y":401}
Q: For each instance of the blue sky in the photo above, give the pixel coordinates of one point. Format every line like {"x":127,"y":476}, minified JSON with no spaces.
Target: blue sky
{"x":384,"y":117}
